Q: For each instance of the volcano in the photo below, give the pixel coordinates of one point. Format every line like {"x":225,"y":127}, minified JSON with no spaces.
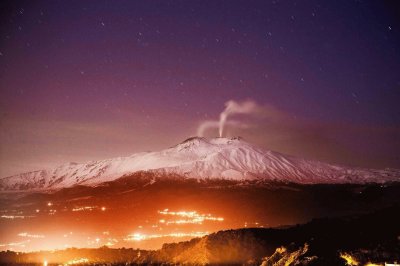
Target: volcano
{"x":203,"y":159}
{"x":194,"y":188}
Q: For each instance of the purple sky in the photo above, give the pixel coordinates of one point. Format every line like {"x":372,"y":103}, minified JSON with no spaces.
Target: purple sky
{"x":86,"y":80}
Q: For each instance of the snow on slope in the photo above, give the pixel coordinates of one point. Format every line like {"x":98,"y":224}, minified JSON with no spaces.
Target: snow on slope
{"x":201,"y":158}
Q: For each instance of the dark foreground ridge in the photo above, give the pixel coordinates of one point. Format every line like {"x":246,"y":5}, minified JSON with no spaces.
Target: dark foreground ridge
{"x":368,"y":238}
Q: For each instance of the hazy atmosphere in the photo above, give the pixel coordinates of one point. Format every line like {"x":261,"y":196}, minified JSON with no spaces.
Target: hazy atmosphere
{"x":88,"y":80}
{"x":197,"y":132}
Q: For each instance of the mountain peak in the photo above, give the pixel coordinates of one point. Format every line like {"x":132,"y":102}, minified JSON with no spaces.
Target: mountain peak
{"x":199,"y":143}
{"x":221,"y":140}
{"x":201,"y":158}
{"x":193,"y":140}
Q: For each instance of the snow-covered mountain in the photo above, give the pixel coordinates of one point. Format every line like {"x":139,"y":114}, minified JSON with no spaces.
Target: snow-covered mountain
{"x":228,"y":158}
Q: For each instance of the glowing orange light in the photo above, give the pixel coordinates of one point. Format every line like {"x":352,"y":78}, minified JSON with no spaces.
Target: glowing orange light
{"x":77,"y":261}
{"x":12,"y":217}
{"x":141,"y":237}
{"x":192,"y":217}
{"x":24,"y":234}
{"x":349,"y":259}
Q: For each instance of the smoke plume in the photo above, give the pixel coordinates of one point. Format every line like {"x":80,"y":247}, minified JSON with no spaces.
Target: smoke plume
{"x":214,"y":124}
{"x":248,"y":107}
{"x":232,"y":107}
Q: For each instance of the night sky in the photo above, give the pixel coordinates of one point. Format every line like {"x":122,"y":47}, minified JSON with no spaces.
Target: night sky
{"x":88,"y":80}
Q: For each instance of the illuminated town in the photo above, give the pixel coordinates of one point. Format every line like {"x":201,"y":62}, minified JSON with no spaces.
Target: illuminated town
{"x":157,"y":229}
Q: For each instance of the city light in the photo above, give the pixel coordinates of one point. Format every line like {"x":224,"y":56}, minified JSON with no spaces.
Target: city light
{"x":148,"y":230}
{"x":24,"y":234}
{"x":77,"y":261}
{"x":141,"y":237}
{"x":192,"y":217}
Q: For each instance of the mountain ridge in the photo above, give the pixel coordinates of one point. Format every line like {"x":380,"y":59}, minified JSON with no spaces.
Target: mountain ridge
{"x":201,"y":158}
